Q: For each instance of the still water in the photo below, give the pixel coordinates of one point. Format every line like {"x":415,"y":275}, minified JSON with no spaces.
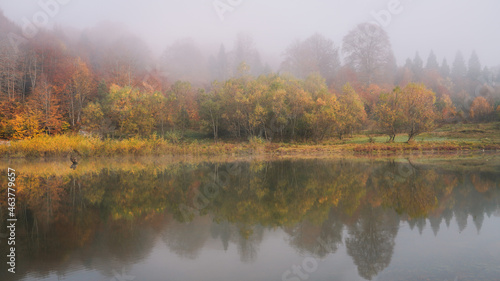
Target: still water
{"x":293,"y":219}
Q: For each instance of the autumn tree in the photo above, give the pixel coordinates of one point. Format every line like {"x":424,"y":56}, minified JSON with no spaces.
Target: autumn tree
{"x":480,"y":109}
{"x":26,"y":124}
{"x":409,"y":110}
{"x":8,"y":110}
{"x":184,"y":106}
{"x":93,"y":118}
{"x":130,"y":111}
{"x":211,"y":110}
{"x":388,"y":113}
{"x":367,"y":49}
{"x":271,"y":111}
{"x":351,"y":114}
{"x":445,"y":108}
{"x":322,"y":120}
{"x":45,"y":100}
{"x":161,"y":107}
{"x":417,"y":105}
{"x":299,"y":101}
{"x":80,"y":90}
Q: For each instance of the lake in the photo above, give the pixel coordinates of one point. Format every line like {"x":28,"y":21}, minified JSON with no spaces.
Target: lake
{"x":256,"y":219}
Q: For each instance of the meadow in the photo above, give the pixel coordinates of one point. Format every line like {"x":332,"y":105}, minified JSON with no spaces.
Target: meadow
{"x":448,"y":138}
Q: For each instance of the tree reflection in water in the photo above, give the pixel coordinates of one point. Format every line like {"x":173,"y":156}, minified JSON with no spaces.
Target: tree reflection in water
{"x":98,"y":215}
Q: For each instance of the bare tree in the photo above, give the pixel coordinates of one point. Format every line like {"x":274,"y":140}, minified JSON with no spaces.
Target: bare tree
{"x":367,"y":50}
{"x":10,"y":76}
{"x":315,"y":54}
{"x":184,"y":60}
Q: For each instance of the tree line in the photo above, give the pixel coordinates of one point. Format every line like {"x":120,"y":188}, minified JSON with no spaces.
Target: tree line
{"x":105,"y":86}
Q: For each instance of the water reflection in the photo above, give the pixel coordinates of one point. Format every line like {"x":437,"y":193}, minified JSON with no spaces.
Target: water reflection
{"x":102,"y":219}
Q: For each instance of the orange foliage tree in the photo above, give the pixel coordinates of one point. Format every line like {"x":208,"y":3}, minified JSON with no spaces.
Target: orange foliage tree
{"x":26,"y":124}
{"x":45,"y":101}
{"x":80,"y":89}
{"x":480,"y":109}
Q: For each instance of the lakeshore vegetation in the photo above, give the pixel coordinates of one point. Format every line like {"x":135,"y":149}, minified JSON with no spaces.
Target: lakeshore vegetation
{"x":59,"y":95}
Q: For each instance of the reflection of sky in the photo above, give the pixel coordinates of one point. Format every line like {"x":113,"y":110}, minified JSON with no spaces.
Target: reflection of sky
{"x":447,"y":255}
{"x":274,"y":257}
{"x":449,"y":252}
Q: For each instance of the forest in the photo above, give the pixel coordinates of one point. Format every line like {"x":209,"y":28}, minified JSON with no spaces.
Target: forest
{"x":103,"y":82}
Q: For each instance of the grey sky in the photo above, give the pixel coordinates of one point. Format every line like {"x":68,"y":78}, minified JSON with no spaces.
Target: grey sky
{"x":445,"y":26}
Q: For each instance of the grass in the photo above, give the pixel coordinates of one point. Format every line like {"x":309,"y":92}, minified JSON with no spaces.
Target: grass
{"x":63,"y":145}
{"x":462,"y":137}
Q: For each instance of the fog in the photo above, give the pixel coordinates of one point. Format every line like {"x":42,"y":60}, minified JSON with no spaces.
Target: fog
{"x":443,"y":26}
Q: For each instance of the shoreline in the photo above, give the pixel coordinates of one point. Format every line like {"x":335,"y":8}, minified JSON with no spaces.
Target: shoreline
{"x":466,"y":161}
{"x":63,"y":145}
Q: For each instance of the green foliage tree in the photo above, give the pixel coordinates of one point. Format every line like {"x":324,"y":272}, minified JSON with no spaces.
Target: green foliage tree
{"x":92,"y":118}
{"x":444,"y":70}
{"x":459,"y":69}
{"x":130,"y":110}
{"x":417,"y":67}
{"x":474,"y":67}
{"x":211,"y":111}
{"x":432,"y":63}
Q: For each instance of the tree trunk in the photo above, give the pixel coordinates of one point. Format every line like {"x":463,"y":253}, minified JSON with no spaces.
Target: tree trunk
{"x":410,"y":137}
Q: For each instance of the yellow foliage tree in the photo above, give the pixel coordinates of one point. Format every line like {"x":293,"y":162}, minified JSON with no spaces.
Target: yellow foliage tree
{"x":92,"y":117}
{"x":351,"y":114}
{"x":322,"y":120}
{"x":388,"y":113}
{"x":26,"y":125}
{"x":409,"y":110}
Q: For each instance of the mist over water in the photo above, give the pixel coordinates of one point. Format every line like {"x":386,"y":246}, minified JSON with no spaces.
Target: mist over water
{"x":244,"y":81}
{"x":359,"y":219}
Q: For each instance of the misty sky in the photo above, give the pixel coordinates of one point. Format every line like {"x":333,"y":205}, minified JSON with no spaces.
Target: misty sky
{"x":444,"y":26}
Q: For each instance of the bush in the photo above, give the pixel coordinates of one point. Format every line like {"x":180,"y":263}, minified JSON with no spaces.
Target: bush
{"x":173,"y":137}
{"x":253,"y":140}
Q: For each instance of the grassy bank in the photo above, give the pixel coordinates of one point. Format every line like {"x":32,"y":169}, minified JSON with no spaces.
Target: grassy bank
{"x":63,"y":145}
{"x":454,"y":138}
